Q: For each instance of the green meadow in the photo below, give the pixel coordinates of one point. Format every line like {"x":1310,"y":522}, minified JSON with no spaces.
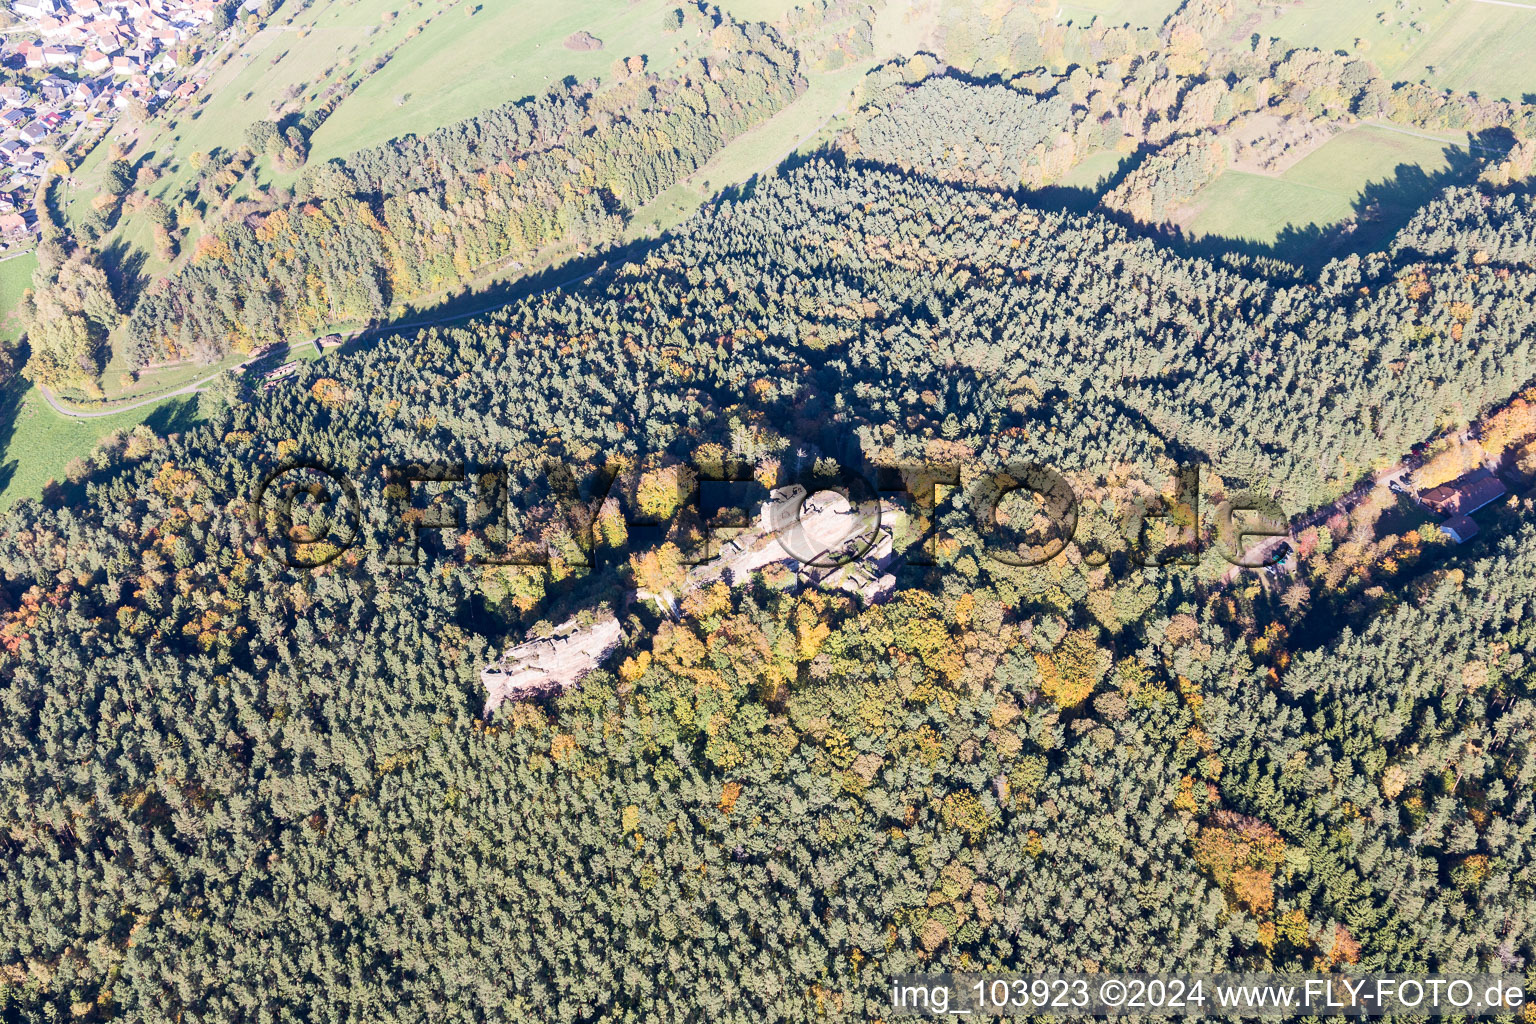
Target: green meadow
{"x":36,"y":443}
{"x":1382,"y":31}
{"x":1484,"y":48}
{"x":479,"y":55}
{"x":1466,"y":45}
{"x":15,"y":278}
{"x":1397,"y":170}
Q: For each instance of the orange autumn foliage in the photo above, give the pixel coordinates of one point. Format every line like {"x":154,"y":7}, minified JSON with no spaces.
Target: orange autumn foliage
{"x":1241,"y":855}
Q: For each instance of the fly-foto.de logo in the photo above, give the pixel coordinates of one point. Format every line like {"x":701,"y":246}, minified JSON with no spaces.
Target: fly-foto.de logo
{"x":307,"y":513}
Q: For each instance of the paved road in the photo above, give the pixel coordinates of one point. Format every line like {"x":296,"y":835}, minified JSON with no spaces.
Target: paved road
{"x":197,"y":385}
{"x":1506,"y":3}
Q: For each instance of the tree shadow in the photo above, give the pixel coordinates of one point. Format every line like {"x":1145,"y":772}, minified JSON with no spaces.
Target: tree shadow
{"x":10,"y":408}
{"x":1297,"y":253}
{"x":1379,"y":212}
{"x":471,"y":303}
{"x":174,"y":417}
{"x":124,"y":265}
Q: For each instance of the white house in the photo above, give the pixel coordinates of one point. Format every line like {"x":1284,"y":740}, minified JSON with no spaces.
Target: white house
{"x":93,"y":61}
{"x":34,"y":8}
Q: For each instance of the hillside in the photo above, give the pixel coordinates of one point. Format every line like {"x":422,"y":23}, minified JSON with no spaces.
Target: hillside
{"x":762,"y":809}
{"x":790,"y":495}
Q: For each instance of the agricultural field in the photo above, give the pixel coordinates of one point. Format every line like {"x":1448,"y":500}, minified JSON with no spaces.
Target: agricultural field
{"x":1484,"y":48}
{"x":1395,"y":171}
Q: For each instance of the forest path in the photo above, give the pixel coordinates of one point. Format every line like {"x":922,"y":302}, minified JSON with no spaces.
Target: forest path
{"x":1471,"y":144}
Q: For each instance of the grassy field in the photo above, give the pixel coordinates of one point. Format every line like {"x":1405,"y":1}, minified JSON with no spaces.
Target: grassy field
{"x":15,"y":278}
{"x":1378,"y":30}
{"x":1257,"y":209}
{"x":1350,"y":160}
{"x":1322,"y":189}
{"x":1094,"y":170}
{"x":799,"y":127}
{"x":1140,"y":13}
{"x":1483,"y":48}
{"x":465,"y":62}
{"x":1453,"y":44}
{"x":36,"y":443}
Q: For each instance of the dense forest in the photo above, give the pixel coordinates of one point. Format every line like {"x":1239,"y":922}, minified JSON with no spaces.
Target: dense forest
{"x":238,"y":791}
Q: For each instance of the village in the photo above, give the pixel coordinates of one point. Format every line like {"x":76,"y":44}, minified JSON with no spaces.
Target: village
{"x":72,"y":68}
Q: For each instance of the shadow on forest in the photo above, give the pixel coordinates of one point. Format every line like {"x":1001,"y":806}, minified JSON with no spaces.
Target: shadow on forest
{"x":469,"y":304}
{"x":174,"y":416}
{"x":1381,"y":210}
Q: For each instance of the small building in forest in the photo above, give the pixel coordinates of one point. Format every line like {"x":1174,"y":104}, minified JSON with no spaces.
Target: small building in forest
{"x":1464,"y":495}
{"x":1459,"y":528}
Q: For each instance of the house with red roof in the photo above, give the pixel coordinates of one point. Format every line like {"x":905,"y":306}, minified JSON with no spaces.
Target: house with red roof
{"x":32,"y":53}
{"x":93,"y":61}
